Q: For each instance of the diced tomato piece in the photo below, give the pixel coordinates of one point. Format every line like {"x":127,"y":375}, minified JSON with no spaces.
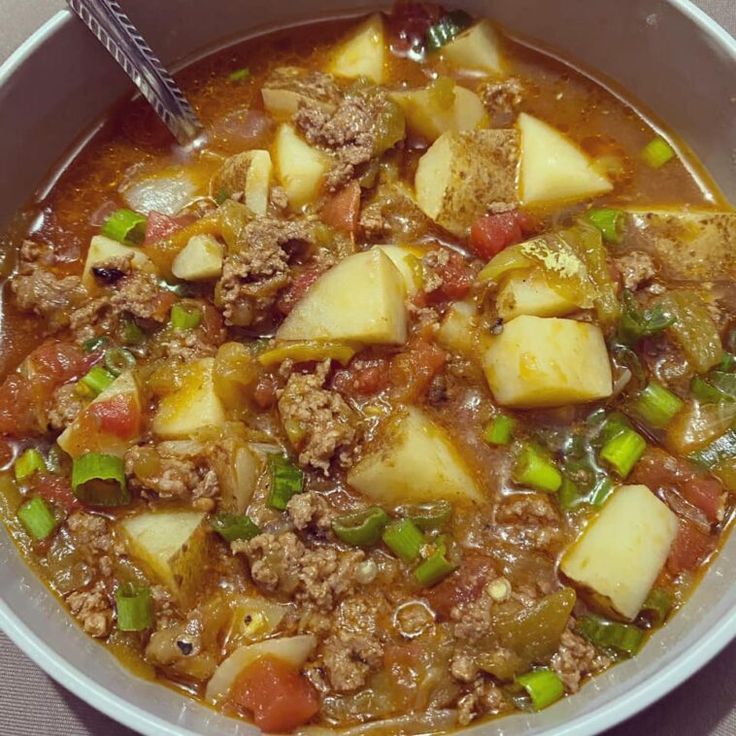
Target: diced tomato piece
{"x":276,"y":693}
{"x":342,"y":210}
{"x":54,"y":488}
{"x":17,"y":407}
{"x":456,"y":280}
{"x":363,"y":377}
{"x":490,"y":234}
{"x":462,"y":586}
{"x":297,"y":289}
{"x":160,"y":226}
{"x":212,"y":324}
{"x":413,"y":370}
{"x":264,"y":393}
{"x":120,"y":415}
{"x":691,"y":546}
{"x":162,"y":303}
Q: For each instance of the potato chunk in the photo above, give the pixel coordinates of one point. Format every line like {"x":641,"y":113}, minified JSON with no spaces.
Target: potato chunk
{"x":363,"y":54}
{"x":476,"y":50}
{"x":620,"y":553}
{"x":463,"y":173}
{"x":529,"y":293}
{"x":539,"y":361}
{"x":102,"y":249}
{"x":299,"y":167}
{"x":414,"y":459}
{"x":553,"y":168}
{"x":429,"y":119}
{"x":288,"y":87}
{"x":408,"y":260}
{"x":459,"y":331}
{"x":360,"y":299}
{"x":199,"y":260}
{"x":192,"y":407}
{"x":173,"y":546}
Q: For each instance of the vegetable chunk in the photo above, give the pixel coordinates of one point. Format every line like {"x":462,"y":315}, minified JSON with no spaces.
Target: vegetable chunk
{"x":361,"y":299}
{"x":363,"y":54}
{"x":409,"y":262}
{"x":531,"y":294}
{"x":199,"y":260}
{"x":553,"y":168}
{"x":621,"y":552}
{"x":476,"y":50}
{"x":463,"y":173}
{"x":539,"y":361}
{"x":173,"y":545}
{"x":299,"y":167}
{"x":103,"y":249}
{"x":414,"y":460}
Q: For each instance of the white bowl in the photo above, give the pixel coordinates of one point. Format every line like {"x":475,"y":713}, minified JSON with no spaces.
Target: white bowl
{"x":666,"y":53}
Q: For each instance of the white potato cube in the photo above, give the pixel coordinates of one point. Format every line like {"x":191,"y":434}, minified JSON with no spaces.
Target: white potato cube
{"x":463,"y":173}
{"x":476,"y":50}
{"x":414,"y":459}
{"x":102,"y":249}
{"x":300,"y":168}
{"x":539,"y":361}
{"x":553,"y":168}
{"x":408,"y":260}
{"x":458,"y":332}
{"x":363,"y":54}
{"x":360,"y":299}
{"x":192,"y":407}
{"x":289,"y":87}
{"x":199,"y":260}
{"x":258,"y":182}
{"x":529,"y":293}
{"x":621,"y":552}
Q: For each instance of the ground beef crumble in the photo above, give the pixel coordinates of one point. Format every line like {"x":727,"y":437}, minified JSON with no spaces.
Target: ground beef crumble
{"x":93,"y":609}
{"x":636,"y":268}
{"x":65,"y":406}
{"x":577,"y":658}
{"x":311,"y":511}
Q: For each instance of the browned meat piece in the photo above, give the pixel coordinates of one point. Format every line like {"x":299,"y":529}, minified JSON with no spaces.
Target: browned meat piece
{"x":139,"y":295}
{"x":310,"y":511}
{"x":282,"y":563}
{"x":486,"y":698}
{"x":502,"y":100}
{"x":93,"y":318}
{"x":288,"y":87}
{"x":49,"y":296}
{"x":349,"y":659}
{"x":93,"y":609}
{"x":186,"y":346}
{"x":253,"y":276}
{"x":66,"y":405}
{"x":111,"y":270}
{"x":636,"y":268}
{"x":530,"y":509}
{"x":173,"y":470}
{"x":575,"y":659}
{"x":319,"y":421}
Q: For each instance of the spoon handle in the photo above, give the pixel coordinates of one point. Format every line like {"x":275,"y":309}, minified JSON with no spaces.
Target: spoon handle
{"x":115,"y":31}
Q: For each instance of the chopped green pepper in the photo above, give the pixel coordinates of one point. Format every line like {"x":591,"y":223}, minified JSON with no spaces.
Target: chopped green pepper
{"x":361,"y":528}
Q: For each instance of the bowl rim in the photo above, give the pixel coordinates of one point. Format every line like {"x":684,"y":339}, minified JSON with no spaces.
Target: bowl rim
{"x":134,"y":717}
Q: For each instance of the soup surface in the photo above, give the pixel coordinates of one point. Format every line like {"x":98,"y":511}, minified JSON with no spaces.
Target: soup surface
{"x":406,"y":400}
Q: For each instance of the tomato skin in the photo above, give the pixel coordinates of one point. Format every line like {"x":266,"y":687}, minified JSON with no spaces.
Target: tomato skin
{"x":276,"y":693}
{"x":456,"y":277}
{"x":297,"y":289}
{"x":17,"y":414}
{"x":691,"y":546}
{"x":413,"y":370}
{"x":363,"y":377}
{"x":342,"y":210}
{"x":490,"y":234}
{"x":54,"y":488}
{"x":119,"y":415}
{"x":463,"y":585}
{"x":160,"y":226}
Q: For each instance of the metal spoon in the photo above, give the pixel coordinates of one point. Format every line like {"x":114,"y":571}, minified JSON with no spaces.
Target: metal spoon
{"x":115,"y":31}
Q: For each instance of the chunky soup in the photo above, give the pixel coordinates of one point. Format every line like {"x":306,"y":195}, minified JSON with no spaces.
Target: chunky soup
{"x":407,"y":400}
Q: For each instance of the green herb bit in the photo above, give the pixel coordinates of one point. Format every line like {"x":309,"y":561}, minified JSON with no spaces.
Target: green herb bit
{"x":234,"y":526}
{"x":657,"y":606}
{"x":361,"y":528}
{"x":239,"y":75}
{"x":97,"y":379}
{"x":185,"y":316}
{"x":615,"y":423}
{"x":405,"y":539}
{"x":94,"y":343}
{"x":728,"y":362}
{"x":657,"y":153}
{"x":569,"y":495}
{"x":133,"y":607}
{"x":623,"y":451}
{"x":430,"y":516}
{"x":636,"y":323}
{"x":656,"y":405}
{"x":132,"y":334}
{"x":119,"y":360}
{"x":30,"y":462}
{"x":532,"y":468}
{"x":286,"y":481}
{"x":543,"y":686}
{"x":621,"y":638}
{"x":125,"y":226}
{"x":37,"y":518}
{"x":429,"y":572}
{"x":499,"y":430}
{"x":721,"y":449}
{"x":448,"y":26}
{"x":609,"y":221}
{"x":716,"y":387}
{"x":98,"y":479}
{"x":601,"y":491}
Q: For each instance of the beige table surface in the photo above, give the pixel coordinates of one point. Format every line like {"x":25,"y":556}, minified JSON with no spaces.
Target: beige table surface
{"x":31,"y":704}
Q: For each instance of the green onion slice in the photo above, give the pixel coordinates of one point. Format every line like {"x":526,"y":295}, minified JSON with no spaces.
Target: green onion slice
{"x":234,"y":526}
{"x":728,"y":362}
{"x":119,"y":360}
{"x":133,"y":608}
{"x":185,"y":316}
{"x":543,"y":686}
{"x":97,"y":379}
{"x":623,"y":451}
{"x":715,"y":387}
{"x":30,"y":462}
{"x":622,"y":638}
{"x":535,"y":470}
{"x":99,"y":480}
{"x":656,"y":405}
{"x":601,"y":491}
{"x":569,"y":495}
{"x":94,"y":343}
{"x":125,"y":226}
{"x":436,"y":567}
{"x":609,"y":221}
{"x":132,"y":334}
{"x":721,"y":449}
{"x":657,"y":153}
{"x":498,"y":431}
{"x":37,"y":518}
{"x":636,"y":323}
{"x":658,"y":605}
{"x":361,"y":528}
{"x":286,"y":481}
{"x":448,"y":26}
{"x":430,"y":516}
{"x":405,"y":539}
{"x":239,"y":75}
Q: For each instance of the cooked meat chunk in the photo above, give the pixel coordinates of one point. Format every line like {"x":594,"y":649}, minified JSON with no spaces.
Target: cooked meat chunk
{"x":93,"y":609}
{"x":485,"y":698}
{"x":179,"y":649}
{"x":529,"y":509}
{"x":289,"y":87}
{"x":66,"y":405}
{"x":502,"y":99}
{"x":49,"y":296}
{"x":139,"y":295}
{"x":349,"y":659}
{"x":111,"y":270}
{"x":636,"y":268}
{"x":575,"y":659}
{"x":318,"y":420}
{"x":310,"y":511}
{"x":94,"y":318}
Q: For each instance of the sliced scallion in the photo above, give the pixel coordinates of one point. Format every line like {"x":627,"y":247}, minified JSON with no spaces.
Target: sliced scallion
{"x":448,"y":26}
{"x":569,"y":495}
{"x":543,"y":686}
{"x":623,"y":451}
{"x":405,"y":539}
{"x":125,"y":226}
{"x":601,"y":491}
{"x":286,"y":481}
{"x":622,"y":638}
{"x":609,"y":221}
{"x":533,"y":469}
{"x":498,"y":431}
{"x":715,"y":387}
{"x":656,"y":405}
{"x":97,"y":379}
{"x":119,"y":360}
{"x":94,"y":343}
{"x":185,"y":316}
{"x":234,"y":526}
{"x":721,"y":449}
{"x":361,"y":528}
{"x":239,"y":75}
{"x":37,"y":518}
{"x":133,"y":608}
{"x":430,"y":516}
{"x":436,"y":567}
{"x":30,"y":462}
{"x":99,"y":480}
{"x":658,"y":605}
{"x":657,"y":153}
{"x":132,"y":334}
